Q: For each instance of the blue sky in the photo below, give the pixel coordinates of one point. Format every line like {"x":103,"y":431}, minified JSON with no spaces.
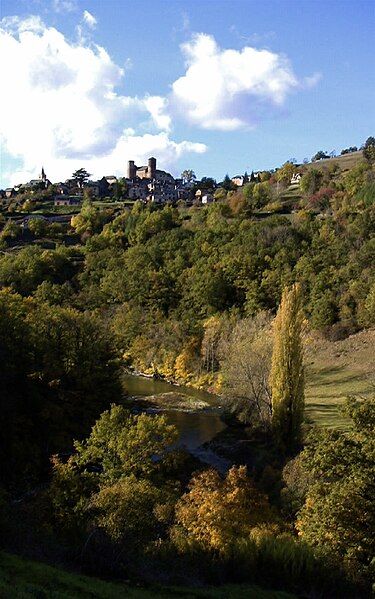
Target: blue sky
{"x":217,"y":86}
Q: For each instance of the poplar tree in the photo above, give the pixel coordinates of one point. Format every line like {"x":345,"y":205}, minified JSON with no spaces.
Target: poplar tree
{"x":287,"y":372}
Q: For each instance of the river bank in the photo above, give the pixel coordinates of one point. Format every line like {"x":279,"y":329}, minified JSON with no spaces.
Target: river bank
{"x":196,"y":414}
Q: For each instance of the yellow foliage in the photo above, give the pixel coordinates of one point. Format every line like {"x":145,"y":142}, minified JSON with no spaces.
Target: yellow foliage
{"x":218,"y":512}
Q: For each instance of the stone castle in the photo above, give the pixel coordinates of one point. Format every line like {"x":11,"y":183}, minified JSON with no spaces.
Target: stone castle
{"x":151,"y":184}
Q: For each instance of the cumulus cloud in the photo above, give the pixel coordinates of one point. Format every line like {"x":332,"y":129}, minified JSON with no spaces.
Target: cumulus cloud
{"x":230,"y":89}
{"x":89,"y":19}
{"x":158,"y":109}
{"x":61,"y":107}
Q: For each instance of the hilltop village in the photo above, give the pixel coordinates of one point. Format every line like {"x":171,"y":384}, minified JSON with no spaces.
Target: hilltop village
{"x":285,"y":190}
{"x":148,"y":184}
{"x":145,"y":183}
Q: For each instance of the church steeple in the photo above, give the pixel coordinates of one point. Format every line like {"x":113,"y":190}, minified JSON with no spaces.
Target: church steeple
{"x":43,"y":175}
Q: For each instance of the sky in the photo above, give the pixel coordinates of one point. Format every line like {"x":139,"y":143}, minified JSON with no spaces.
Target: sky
{"x":218,"y":86}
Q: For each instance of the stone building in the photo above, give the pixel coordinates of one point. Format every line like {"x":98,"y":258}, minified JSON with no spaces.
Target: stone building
{"x":141,"y":172}
{"x":148,"y":183}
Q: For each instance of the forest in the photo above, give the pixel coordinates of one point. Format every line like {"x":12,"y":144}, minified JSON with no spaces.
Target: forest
{"x":224,"y":298}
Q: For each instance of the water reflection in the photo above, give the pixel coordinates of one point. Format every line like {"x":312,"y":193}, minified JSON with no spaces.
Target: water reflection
{"x":195,"y":428}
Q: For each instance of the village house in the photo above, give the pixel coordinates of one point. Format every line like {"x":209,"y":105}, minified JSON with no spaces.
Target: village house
{"x":296,"y":178}
{"x":238,"y":180}
{"x":67,"y":201}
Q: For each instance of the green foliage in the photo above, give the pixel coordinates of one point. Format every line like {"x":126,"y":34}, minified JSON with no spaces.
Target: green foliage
{"x":369,"y":150}
{"x":287,"y":372}
{"x":89,"y":220}
{"x":116,"y":479}
{"x":285,"y":173}
{"x":311,"y":181}
{"x":188,"y":176}
{"x":261,"y":194}
{"x":338,"y":514}
{"x":10,"y":232}
{"x":320,"y":156}
{"x":25,"y":270}
{"x":81,"y":176}
{"x":57,"y":372}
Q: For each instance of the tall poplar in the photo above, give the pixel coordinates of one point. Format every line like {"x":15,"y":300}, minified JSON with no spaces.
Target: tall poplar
{"x":287,"y":380}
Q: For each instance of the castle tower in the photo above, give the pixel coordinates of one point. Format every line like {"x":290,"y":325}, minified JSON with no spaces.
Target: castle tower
{"x":131,"y":170}
{"x":151,"y":171}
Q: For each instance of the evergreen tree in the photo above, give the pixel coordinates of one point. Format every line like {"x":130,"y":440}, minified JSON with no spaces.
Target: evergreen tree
{"x":287,"y":373}
{"x":227,"y":183}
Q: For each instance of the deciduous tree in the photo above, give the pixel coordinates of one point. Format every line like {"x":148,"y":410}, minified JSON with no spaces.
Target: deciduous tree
{"x":287,"y":372}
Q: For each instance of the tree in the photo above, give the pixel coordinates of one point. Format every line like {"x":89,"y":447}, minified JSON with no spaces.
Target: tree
{"x":349,"y":150}
{"x":218,"y":512}
{"x":320,"y":156}
{"x":188,"y":176}
{"x":10,"y":231}
{"x":338,"y":515}
{"x":81,"y":176}
{"x":245,"y":366}
{"x":115,"y":478}
{"x":120,"y":189}
{"x":227,"y":183}
{"x":369,"y":149}
{"x":261,"y":194}
{"x":311,"y":181}
{"x":287,"y":372}
{"x":285,"y":173}
{"x":38,"y":226}
{"x":89,"y":220}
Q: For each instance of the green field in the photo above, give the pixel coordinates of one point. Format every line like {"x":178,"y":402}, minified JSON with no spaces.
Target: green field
{"x":326,"y":390}
{"x":336,"y":370}
{"x":20,"y":578}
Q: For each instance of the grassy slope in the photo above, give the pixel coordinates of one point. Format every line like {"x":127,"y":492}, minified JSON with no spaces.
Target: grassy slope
{"x":345,"y":162}
{"x":292,"y":194}
{"x":336,"y":370}
{"x":20,"y":578}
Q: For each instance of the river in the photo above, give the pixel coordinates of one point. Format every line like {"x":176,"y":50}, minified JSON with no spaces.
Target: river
{"x":195,"y":427}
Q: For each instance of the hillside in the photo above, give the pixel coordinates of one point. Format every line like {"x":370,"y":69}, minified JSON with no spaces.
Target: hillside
{"x":21,"y":578}
{"x":335,"y":370}
{"x":345,"y":162}
{"x":292,"y":194}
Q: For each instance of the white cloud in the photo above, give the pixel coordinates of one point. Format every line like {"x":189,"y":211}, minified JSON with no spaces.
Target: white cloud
{"x":61,"y":108}
{"x":89,"y":19}
{"x":157,"y":107}
{"x":230,"y":89}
